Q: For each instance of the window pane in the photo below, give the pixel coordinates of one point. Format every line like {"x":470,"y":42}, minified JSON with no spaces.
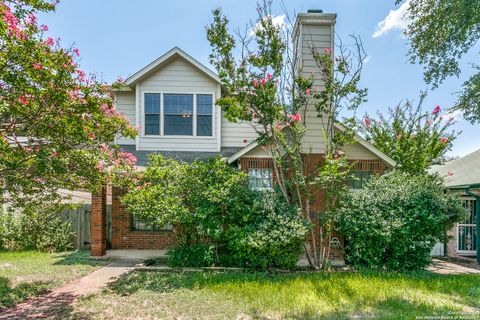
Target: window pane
{"x":178,"y":109}
{"x":260,"y":178}
{"x":178,"y":125}
{"x":204,"y":114}
{"x":358,"y":179}
{"x":204,"y":125}
{"x":152,"y":124}
{"x":152,"y":103}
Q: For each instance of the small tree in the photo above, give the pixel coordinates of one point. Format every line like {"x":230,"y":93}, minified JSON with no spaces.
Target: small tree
{"x":395,"y":220}
{"x":57,"y":124}
{"x":414,"y":138}
{"x":265,"y":86}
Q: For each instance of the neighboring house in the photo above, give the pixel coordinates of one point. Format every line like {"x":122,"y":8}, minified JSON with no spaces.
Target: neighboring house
{"x":463,"y":176}
{"x":173,"y":99}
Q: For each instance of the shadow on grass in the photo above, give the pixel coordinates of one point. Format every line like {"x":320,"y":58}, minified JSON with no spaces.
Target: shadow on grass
{"x":9,"y":295}
{"x":81,"y":257}
{"x":314,"y":295}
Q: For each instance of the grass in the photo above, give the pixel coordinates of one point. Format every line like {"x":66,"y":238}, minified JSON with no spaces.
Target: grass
{"x":25,"y":274}
{"x":239,"y":295}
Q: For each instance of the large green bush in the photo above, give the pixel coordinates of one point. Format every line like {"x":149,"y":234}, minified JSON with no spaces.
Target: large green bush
{"x":36,"y":227}
{"x":210,"y":206}
{"x":394,"y":222}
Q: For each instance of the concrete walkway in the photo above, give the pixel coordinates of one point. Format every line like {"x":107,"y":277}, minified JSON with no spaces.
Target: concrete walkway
{"x":54,"y":304}
{"x":448,"y":267}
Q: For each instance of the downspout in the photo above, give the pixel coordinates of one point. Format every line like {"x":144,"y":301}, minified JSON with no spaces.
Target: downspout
{"x":477,"y":219}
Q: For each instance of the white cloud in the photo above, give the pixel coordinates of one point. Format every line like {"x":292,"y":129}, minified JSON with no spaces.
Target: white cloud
{"x":454,"y":116}
{"x":394,"y":20}
{"x":278,"y":21}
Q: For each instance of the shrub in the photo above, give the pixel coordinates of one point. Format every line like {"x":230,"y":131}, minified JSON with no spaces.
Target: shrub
{"x":192,"y":255}
{"x":37,"y":227}
{"x":272,"y":239}
{"x":210,"y":206}
{"x":394,"y":222}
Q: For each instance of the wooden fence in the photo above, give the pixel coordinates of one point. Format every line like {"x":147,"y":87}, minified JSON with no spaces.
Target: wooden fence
{"x":79,"y":219}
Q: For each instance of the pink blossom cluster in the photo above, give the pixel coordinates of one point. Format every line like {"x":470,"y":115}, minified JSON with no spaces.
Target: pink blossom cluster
{"x":263,"y":81}
{"x":12,"y":22}
{"x":367,"y":122}
{"x":127,"y":158}
{"x":436,"y":110}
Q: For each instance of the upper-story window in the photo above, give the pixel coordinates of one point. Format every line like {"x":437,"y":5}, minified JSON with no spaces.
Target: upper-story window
{"x":204,"y":114}
{"x":183,"y":114}
{"x":152,"y":113}
{"x":178,"y":114}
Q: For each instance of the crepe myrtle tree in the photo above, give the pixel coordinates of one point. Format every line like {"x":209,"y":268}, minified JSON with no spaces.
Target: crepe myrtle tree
{"x":265,"y":86}
{"x":57,"y":124}
{"x":411,"y":136}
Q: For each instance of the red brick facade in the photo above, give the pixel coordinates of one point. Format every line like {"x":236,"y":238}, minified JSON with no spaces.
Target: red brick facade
{"x":123,"y":237}
{"x":98,"y":221}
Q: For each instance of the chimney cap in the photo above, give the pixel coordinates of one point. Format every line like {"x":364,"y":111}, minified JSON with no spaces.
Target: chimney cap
{"x":314,"y":11}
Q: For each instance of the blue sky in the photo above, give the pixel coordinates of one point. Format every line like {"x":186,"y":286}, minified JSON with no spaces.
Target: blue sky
{"x":118,"y":37}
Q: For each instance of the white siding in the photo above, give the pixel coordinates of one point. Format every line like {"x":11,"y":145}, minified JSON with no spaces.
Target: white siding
{"x":356,"y":151}
{"x":234,"y":134}
{"x":179,"y":76}
{"x":125,"y":103}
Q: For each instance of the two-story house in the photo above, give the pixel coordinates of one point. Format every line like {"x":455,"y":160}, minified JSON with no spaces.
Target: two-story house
{"x":173,"y":99}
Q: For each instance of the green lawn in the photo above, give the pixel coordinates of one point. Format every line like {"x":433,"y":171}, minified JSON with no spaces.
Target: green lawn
{"x":237,"y":295}
{"x":24,"y":274}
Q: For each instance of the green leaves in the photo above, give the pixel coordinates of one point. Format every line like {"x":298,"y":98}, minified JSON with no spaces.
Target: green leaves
{"x":394,"y":222}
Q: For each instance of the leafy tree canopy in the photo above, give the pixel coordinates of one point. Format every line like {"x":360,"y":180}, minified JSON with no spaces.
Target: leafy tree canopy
{"x":441,"y":32}
{"x":57,"y":124}
{"x":414,"y":138}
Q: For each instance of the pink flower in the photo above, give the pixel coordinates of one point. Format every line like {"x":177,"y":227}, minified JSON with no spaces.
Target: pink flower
{"x":328,"y":50}
{"x":279,"y":127}
{"x":44,"y":27}
{"x":429,"y":122}
{"x":77,"y":52}
{"x":263,"y":82}
{"x":100,"y":165}
{"x":54,"y":154}
{"x":32,"y":19}
{"x":444,"y":140}
{"x":367,"y":122}
{"x":23,"y":100}
{"x":49,"y":41}
{"x":269,"y":76}
{"x":450,"y":173}
{"x":255,"y":82}
{"x":287,"y":124}
{"x":436,"y":110}
{"x":308,"y":91}
{"x":295,"y":117}
{"x":37,"y":66}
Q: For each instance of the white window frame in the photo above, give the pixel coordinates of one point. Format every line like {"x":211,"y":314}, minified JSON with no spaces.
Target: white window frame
{"x":162,"y":115}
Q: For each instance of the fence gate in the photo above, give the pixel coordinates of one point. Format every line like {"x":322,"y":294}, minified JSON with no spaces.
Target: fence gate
{"x":467,"y":231}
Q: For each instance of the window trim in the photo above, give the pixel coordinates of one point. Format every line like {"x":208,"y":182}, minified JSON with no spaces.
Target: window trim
{"x":261,"y":188}
{"x":162,"y":115}
{"x":159,"y":114}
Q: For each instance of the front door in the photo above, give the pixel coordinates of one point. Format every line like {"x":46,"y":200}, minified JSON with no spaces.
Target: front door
{"x":467,"y":231}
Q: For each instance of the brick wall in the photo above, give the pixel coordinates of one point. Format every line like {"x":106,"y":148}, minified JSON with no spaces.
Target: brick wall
{"x":124,"y":238}
{"x":98,"y":221}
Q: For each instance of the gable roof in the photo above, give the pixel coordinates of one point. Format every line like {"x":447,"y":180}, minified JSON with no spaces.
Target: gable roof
{"x":252,"y":145}
{"x":166,"y":58}
{"x":465,"y":171}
